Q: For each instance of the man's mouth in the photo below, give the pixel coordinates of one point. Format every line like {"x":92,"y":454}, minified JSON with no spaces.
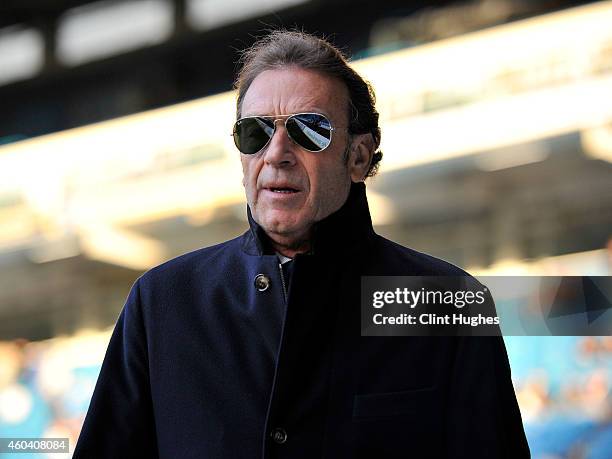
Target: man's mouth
{"x":284,"y":189}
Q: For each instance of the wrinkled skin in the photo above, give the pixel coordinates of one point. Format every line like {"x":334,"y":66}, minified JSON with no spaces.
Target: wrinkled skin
{"x":322,"y":180}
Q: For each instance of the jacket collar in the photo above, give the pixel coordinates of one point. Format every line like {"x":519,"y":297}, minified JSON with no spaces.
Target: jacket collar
{"x":343,"y":231}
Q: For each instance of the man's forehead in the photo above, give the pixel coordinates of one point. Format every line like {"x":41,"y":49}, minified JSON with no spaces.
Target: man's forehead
{"x":292,"y":90}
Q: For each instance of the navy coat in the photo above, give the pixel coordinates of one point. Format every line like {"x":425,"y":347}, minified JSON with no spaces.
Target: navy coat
{"x":207,"y":362}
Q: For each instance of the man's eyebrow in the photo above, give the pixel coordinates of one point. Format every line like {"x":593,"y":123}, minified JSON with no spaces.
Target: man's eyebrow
{"x":309,"y":110}
{"x":263,"y":115}
{"x":315,"y":110}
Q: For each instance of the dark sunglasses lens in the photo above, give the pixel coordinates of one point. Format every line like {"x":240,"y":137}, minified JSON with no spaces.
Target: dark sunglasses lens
{"x":310,"y":131}
{"x":252,"y":134}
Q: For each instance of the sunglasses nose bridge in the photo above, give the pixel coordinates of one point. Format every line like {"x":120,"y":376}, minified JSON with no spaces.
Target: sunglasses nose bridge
{"x":283,"y":124}
{"x":283,"y":121}
{"x":276,"y":152}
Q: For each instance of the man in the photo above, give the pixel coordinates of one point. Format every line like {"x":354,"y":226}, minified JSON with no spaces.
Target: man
{"x":252,"y":348}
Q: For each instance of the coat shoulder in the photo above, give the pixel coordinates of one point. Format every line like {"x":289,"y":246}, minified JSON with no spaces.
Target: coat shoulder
{"x":401,"y":260}
{"x":198,"y":261}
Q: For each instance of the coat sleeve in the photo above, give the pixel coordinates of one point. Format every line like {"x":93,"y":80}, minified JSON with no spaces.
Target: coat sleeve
{"x":484,"y":421}
{"x":120,"y":420}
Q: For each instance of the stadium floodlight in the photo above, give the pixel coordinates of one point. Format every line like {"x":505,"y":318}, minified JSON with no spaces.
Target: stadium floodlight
{"x":208,"y":14}
{"x":107,"y":28}
{"x":21,"y":53}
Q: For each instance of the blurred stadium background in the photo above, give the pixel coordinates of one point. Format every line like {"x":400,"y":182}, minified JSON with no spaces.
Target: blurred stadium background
{"x":115,"y":155}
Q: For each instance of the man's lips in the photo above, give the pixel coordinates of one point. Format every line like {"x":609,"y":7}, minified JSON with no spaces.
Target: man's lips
{"x":282,"y":188}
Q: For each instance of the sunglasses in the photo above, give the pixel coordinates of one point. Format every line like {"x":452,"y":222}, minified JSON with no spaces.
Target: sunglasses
{"x":310,"y":131}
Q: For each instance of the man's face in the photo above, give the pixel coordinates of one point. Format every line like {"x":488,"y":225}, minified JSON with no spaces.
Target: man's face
{"x":321,"y":180}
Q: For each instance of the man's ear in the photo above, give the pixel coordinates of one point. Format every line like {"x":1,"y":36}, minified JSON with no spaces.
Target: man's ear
{"x":360,"y":156}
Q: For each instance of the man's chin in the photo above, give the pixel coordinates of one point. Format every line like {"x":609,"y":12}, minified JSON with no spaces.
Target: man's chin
{"x":282,"y":227}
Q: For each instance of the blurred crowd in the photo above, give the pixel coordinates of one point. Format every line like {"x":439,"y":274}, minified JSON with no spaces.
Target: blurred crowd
{"x":45,"y":387}
{"x":564,"y":391}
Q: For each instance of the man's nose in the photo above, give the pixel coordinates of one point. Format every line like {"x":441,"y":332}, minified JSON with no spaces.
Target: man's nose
{"x":280,"y":151}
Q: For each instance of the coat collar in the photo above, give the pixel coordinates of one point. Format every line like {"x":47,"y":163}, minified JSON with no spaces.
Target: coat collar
{"x":343,"y":231}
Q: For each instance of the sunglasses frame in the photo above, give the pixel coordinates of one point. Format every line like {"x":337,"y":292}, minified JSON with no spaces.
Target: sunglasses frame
{"x":276,"y":118}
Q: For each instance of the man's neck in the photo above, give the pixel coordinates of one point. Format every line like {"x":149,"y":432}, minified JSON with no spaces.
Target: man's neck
{"x":290,"y":246}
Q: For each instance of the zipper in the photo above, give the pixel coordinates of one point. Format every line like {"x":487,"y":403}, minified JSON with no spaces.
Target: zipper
{"x":282,"y":276}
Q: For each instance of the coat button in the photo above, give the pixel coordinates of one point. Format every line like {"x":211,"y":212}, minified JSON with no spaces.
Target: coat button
{"x":279,"y":435}
{"x":262,"y":282}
